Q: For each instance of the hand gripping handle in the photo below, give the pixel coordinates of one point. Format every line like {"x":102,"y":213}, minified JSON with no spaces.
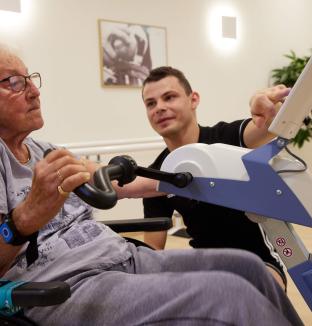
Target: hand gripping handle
{"x":123,"y":169}
{"x":101,"y":196}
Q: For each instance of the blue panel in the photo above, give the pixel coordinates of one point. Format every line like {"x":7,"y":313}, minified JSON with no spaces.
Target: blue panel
{"x":264,"y":194}
{"x":302,"y":277}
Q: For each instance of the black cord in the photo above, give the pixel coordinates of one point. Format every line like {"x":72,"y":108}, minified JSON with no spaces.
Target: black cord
{"x":298,"y":159}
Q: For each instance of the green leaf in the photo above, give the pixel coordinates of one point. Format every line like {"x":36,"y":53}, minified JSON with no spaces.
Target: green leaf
{"x":303,"y":135}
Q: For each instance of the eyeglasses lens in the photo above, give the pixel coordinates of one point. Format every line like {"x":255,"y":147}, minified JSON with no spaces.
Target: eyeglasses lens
{"x":18,"y":83}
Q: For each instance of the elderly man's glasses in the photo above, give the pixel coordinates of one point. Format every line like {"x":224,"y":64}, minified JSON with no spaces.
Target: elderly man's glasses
{"x":19,"y":83}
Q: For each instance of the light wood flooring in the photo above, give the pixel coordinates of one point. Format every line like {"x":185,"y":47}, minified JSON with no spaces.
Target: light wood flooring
{"x":294,"y":295}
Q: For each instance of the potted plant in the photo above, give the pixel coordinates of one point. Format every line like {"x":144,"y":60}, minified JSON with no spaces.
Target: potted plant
{"x":288,"y":75}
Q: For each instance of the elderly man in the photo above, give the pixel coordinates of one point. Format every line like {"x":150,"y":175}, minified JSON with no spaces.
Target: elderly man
{"x":112,"y":282}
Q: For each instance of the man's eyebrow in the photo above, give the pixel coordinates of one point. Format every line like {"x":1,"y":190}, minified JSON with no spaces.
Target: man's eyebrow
{"x":162,"y":95}
{"x":149,"y":99}
{"x":168,"y":92}
{"x":171,"y":91}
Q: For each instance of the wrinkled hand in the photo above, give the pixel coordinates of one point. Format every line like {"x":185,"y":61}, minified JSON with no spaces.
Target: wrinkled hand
{"x":58,"y":168}
{"x":265,"y":104}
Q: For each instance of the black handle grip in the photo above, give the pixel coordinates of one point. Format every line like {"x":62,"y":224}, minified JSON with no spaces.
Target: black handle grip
{"x":103,"y":196}
{"x":129,"y":169}
{"x":98,"y":198}
{"x":123,"y":169}
{"x":33,"y":294}
{"x":120,"y":168}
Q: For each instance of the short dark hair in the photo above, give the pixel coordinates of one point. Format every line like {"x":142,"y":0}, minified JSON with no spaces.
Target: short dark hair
{"x":167,"y":71}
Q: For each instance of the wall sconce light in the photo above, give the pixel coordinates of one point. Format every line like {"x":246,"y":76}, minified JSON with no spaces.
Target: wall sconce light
{"x":10,"y":5}
{"x":229,"y":27}
{"x":224,"y":28}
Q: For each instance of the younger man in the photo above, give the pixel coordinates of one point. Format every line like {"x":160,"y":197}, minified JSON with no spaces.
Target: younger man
{"x":171,"y":109}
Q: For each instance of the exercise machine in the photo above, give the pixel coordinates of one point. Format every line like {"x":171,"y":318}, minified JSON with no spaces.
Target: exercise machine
{"x":270,"y":184}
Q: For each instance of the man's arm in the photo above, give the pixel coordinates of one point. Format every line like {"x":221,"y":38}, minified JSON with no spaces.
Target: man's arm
{"x":157,"y":207}
{"x":263,"y":107}
{"x":139,"y":188}
{"x":157,"y":240}
{"x":43,"y":202}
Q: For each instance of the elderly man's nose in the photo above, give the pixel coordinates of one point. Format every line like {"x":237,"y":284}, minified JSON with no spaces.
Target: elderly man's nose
{"x":32,"y":89}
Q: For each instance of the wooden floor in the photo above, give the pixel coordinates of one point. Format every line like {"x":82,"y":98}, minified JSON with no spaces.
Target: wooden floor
{"x":295,"y":297}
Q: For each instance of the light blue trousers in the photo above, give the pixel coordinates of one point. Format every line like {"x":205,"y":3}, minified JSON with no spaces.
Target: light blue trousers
{"x":175,"y":287}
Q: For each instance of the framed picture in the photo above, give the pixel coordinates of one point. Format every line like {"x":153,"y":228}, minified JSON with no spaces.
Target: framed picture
{"x":128,"y":51}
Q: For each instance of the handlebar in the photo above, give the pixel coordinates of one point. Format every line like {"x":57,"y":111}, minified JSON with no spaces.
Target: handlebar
{"x":124,"y":169}
{"x":102,"y":196}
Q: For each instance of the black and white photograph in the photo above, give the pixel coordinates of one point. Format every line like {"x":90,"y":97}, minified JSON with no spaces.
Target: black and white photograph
{"x":128,"y":52}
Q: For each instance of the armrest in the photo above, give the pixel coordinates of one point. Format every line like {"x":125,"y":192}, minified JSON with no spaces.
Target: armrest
{"x":40,"y":294}
{"x":142,"y":224}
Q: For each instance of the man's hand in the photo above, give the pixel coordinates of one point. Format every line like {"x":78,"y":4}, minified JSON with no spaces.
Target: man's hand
{"x":58,"y":168}
{"x":265,"y":104}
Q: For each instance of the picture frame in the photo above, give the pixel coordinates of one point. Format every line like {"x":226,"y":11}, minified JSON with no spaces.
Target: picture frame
{"x":128,"y":51}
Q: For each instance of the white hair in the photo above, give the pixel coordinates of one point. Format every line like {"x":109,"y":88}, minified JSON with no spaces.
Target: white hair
{"x":8,"y":52}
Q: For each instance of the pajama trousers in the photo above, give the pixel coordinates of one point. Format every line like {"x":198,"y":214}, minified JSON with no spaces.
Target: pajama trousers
{"x":174,"y":287}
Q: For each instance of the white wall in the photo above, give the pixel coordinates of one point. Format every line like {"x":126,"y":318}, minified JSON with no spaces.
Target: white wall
{"x":59,"y":38}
